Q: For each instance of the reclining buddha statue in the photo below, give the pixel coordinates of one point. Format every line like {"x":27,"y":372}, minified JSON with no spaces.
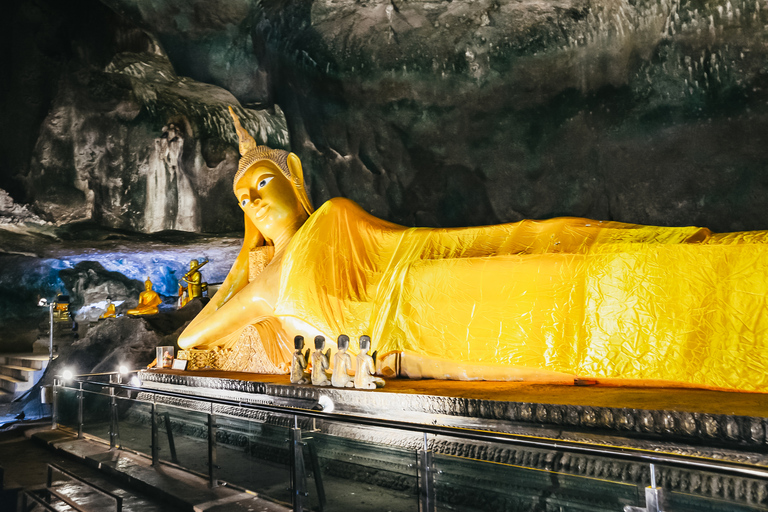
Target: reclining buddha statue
{"x":547,"y":301}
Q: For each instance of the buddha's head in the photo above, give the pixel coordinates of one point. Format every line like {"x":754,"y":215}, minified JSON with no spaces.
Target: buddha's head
{"x":269,"y":186}
{"x":148,"y":285}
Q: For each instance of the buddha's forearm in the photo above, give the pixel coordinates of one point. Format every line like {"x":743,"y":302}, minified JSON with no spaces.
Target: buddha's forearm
{"x":235,"y":314}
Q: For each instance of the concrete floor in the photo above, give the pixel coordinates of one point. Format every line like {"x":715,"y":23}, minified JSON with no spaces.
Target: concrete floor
{"x":25,"y":463}
{"x":599,"y":395}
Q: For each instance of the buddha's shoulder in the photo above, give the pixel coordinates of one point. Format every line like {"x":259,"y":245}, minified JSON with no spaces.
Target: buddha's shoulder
{"x":339,"y":204}
{"x":345,"y":211}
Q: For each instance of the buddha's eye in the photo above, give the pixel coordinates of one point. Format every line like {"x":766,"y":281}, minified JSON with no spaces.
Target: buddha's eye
{"x":263,"y":183}
{"x":244,"y":202}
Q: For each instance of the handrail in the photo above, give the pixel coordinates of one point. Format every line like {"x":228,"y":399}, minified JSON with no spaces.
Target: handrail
{"x":36,"y":499}
{"x":627,"y":454}
{"x":95,"y":487}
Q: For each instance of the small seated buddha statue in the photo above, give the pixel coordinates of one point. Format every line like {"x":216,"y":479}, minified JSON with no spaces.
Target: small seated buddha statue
{"x":110,"y":311}
{"x":149,"y":300}
{"x":366,"y":367}
{"x":342,"y":363}
{"x":299,"y":363}
{"x":320,"y":363}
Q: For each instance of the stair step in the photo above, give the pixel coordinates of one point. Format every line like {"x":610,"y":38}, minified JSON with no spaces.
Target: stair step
{"x":12,"y":384}
{"x":20,"y":368}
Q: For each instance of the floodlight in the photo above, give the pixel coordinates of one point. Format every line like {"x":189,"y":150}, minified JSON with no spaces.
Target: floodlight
{"x":67,"y":374}
{"x":123,"y":369}
{"x":326,"y":403}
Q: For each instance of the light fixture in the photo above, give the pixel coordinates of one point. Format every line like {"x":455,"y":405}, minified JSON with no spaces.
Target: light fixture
{"x":326,"y":403}
{"x":43,"y":303}
{"x":67,"y":374}
{"x":135,"y":381}
{"x":123,"y":370}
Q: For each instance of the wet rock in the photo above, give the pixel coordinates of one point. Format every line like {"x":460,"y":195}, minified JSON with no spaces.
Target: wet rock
{"x":91,"y":284}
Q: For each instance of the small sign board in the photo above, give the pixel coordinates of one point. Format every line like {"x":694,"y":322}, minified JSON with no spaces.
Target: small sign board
{"x":179,"y":364}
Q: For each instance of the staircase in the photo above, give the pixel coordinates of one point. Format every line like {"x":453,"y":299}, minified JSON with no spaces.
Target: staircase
{"x":19,"y":372}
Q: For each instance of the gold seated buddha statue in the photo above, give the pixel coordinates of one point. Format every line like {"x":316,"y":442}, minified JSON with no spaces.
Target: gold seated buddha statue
{"x":110,"y":311}
{"x":149,"y":300}
{"x":546,"y":301}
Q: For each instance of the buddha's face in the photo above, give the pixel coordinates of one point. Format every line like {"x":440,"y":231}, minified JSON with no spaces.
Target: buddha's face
{"x":267,"y":198}
{"x":148,"y":285}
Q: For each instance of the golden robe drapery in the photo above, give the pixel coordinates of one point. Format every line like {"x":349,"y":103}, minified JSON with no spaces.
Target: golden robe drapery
{"x":588,"y":298}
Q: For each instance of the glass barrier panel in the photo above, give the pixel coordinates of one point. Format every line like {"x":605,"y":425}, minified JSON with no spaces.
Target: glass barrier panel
{"x":134,"y":425}
{"x":182,"y":436}
{"x":96,"y":411}
{"x":255,"y":454}
{"x":474,"y":477}
{"x":365,"y":469}
{"x":66,"y":407}
{"x":698,"y":491}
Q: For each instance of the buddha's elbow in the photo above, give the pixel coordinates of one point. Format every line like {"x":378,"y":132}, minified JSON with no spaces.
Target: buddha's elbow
{"x":187,"y":339}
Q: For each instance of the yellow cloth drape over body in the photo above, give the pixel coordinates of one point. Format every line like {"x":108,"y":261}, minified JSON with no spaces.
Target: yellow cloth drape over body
{"x":588,"y":298}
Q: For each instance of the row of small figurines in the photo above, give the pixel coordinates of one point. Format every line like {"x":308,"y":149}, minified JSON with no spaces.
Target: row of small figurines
{"x":317,"y":374}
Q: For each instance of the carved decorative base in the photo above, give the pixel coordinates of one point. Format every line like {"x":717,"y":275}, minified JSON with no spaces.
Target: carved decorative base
{"x":347,"y":449}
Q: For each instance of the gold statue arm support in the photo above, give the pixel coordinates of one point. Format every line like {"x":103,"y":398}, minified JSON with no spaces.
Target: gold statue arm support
{"x":242,"y":309}
{"x":236,"y":279}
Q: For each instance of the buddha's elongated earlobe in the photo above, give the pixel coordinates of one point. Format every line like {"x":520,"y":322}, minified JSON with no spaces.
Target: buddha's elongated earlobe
{"x":297,"y":177}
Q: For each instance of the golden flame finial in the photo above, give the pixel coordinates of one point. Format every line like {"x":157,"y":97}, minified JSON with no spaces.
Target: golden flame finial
{"x":247,"y":143}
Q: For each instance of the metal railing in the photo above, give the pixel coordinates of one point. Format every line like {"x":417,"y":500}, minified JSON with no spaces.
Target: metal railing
{"x":654,"y":495}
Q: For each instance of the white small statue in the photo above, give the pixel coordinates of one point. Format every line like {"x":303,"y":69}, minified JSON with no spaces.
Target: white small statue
{"x":299,"y":363}
{"x":342,"y":363}
{"x":366,"y":367}
{"x":320,"y":363}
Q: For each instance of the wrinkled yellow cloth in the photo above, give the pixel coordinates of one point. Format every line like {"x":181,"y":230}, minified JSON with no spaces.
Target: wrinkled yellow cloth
{"x":588,"y":298}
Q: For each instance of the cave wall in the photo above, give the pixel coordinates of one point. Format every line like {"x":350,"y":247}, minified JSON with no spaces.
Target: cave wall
{"x":426,"y":112}
{"x":110,"y":134}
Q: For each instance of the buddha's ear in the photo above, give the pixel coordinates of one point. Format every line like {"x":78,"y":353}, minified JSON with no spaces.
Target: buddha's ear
{"x":297,"y":177}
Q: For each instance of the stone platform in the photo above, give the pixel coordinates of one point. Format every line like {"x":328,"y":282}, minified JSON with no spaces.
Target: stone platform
{"x":684,"y":415}
{"x":713,"y":424}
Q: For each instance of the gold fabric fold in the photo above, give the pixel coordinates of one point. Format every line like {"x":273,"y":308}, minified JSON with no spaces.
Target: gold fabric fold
{"x":569,"y":295}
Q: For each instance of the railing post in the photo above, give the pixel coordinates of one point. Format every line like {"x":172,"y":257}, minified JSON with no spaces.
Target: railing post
{"x":654,"y":497}
{"x":169,"y":433}
{"x":298,"y":473}
{"x":55,"y":406}
{"x":153,"y":415}
{"x":426,"y":483}
{"x":80,"y":410}
{"x":212,"y":450}
{"x":112,"y":418}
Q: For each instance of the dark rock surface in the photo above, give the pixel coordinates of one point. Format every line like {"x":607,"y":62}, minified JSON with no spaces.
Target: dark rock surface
{"x":90,"y":264}
{"x":425,"y":112}
{"x":124,"y":141}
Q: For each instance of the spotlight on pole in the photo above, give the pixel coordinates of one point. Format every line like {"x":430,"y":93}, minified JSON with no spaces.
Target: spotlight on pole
{"x":123,"y":370}
{"x":67,"y":374}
